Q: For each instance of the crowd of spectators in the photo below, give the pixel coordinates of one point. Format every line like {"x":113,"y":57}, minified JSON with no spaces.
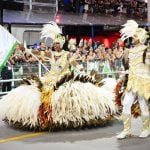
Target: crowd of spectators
{"x":85,"y":52}
{"x":132,"y":8}
{"x":90,"y":54}
{"x":95,"y":55}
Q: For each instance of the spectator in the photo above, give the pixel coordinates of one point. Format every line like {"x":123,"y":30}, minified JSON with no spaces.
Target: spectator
{"x":86,"y":8}
{"x":42,"y":46}
{"x":6,"y":74}
{"x":18,"y":55}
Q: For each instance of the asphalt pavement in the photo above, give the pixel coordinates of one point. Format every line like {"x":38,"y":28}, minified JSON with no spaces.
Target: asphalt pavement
{"x":96,"y":138}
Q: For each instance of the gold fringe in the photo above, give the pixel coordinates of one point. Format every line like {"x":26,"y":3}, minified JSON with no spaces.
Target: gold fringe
{"x":135,"y":110}
{"x":45,"y":109}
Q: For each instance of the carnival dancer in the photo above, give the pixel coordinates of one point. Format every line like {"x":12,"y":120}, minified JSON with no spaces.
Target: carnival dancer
{"x":60,"y":99}
{"x":138,"y":85}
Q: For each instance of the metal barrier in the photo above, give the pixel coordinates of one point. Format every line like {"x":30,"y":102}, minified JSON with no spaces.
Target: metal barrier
{"x":31,"y":3}
{"x":53,"y":4}
{"x":9,"y":80}
{"x":22,"y":70}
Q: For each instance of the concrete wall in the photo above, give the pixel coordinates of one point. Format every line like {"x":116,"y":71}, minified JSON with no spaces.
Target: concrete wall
{"x":19,"y":32}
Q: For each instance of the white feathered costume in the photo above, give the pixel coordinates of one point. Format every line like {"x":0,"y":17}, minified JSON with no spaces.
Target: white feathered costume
{"x":73,"y":101}
{"x":74,"y":104}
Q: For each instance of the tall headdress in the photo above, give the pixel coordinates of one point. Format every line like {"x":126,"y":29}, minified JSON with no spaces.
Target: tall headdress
{"x":130,"y":29}
{"x":51,"y":30}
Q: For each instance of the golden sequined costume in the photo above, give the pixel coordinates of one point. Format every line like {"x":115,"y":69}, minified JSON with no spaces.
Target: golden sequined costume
{"x":63,"y":99}
{"x":138,"y":86}
{"x":59,"y":67}
{"x":139,"y":73}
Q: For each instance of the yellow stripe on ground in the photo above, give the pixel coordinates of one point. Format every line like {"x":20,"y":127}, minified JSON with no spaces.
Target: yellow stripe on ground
{"x":21,"y":137}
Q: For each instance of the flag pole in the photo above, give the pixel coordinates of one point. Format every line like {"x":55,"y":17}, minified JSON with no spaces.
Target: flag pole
{"x":29,"y":51}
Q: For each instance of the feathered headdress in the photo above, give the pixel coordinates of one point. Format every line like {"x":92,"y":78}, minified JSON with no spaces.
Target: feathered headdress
{"x":130,"y":29}
{"x":51,"y":30}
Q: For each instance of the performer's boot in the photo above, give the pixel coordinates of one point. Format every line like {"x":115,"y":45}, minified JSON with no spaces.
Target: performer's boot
{"x":146,"y":129}
{"x":127,"y":127}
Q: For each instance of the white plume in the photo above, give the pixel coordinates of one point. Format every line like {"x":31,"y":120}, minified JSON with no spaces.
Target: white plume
{"x":50,"y":30}
{"x":128,"y":29}
{"x":21,"y":105}
{"x":79,"y":102}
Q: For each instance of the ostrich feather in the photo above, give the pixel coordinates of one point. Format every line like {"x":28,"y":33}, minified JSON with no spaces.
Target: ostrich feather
{"x":79,"y":103}
{"x":128,"y":29}
{"x":21,"y":105}
{"x":50,"y":30}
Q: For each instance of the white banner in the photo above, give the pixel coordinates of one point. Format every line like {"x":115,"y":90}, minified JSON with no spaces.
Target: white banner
{"x":7,"y":45}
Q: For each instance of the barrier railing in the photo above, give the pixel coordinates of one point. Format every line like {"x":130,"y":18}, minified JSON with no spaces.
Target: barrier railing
{"x":8,"y":80}
{"x":21,"y":70}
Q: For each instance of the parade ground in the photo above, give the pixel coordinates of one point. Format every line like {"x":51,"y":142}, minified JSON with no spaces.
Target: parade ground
{"x":95,"y":138}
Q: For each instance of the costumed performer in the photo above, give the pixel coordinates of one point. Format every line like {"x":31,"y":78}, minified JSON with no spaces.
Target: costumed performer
{"x":61,"y":99}
{"x":138,"y":85}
